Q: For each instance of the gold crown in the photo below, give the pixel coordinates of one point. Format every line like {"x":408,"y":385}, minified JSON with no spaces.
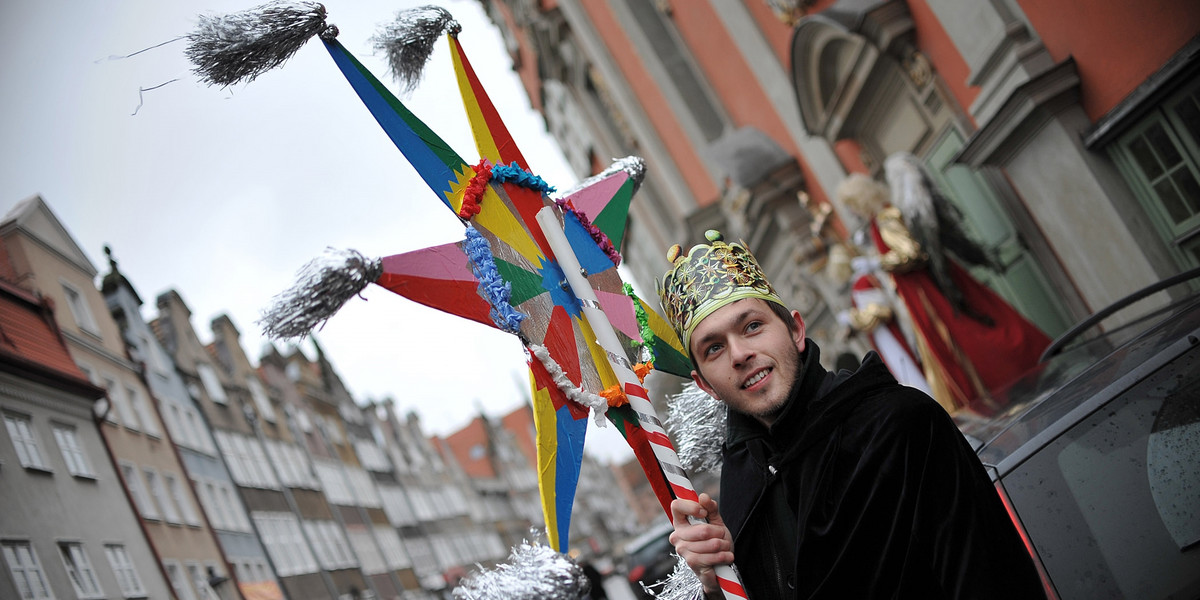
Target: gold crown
{"x":709,"y":277}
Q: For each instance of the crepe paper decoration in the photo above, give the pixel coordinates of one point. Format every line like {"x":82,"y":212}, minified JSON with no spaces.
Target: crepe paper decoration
{"x":531,"y":572}
{"x":475,"y":189}
{"x":408,"y":41}
{"x":596,"y":402}
{"x":639,"y":400}
{"x":240,"y":46}
{"x":642,"y":370}
{"x":522,"y":177}
{"x":322,"y":287}
{"x":647,"y":341}
{"x":598,"y":236}
{"x":492,"y":287}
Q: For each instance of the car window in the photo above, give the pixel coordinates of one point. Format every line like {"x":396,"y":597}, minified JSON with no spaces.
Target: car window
{"x":1111,"y":505}
{"x":1059,"y":386}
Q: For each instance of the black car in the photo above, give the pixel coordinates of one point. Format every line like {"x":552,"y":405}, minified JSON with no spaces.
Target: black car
{"x":650,"y":558}
{"x":1098,"y":458}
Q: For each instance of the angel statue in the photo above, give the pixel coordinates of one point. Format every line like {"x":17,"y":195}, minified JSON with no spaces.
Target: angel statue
{"x":969,"y":339}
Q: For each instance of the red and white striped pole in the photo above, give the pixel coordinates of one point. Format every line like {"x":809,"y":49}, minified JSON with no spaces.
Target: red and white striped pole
{"x":639,"y":399}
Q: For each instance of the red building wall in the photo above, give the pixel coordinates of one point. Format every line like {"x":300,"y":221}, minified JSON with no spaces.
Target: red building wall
{"x":1116,"y":44}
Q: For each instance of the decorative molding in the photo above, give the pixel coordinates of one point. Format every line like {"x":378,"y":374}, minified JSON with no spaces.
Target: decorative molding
{"x":1027,"y":109}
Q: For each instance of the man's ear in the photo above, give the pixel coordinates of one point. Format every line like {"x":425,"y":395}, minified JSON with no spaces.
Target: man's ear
{"x":798,"y":333}
{"x":703,"y":385}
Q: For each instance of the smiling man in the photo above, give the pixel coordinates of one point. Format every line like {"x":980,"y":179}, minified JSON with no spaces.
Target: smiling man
{"x":843,"y":485}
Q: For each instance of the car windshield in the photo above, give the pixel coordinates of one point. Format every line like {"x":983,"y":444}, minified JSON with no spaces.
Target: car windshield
{"x":1043,"y":396}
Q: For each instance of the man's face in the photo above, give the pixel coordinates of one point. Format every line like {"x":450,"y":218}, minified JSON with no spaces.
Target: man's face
{"x":748,"y":357}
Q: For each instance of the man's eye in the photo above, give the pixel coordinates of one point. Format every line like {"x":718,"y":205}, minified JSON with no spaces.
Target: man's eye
{"x":754,"y":326}
{"x":711,"y":350}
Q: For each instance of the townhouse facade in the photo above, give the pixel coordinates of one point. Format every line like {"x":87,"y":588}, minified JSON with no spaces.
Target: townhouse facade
{"x":56,"y":474}
{"x":220,"y":504}
{"x":1066,"y":136}
{"x":47,"y":261}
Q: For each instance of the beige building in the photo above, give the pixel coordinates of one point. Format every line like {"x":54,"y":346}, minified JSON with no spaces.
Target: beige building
{"x":48,"y":262}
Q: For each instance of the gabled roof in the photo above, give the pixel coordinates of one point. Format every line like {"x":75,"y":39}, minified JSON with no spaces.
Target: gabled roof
{"x":31,"y":347}
{"x":34,"y":217}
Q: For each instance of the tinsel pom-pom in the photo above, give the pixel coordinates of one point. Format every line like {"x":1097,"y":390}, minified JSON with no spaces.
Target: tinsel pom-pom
{"x":532,"y":572}
{"x":598,"y":403}
{"x":696,"y":421}
{"x":492,"y":286}
{"x":322,"y":287}
{"x":681,"y":584}
{"x":408,"y":41}
{"x":238,"y":47}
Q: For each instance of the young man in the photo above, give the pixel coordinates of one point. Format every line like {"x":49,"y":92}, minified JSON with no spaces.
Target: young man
{"x":832,"y":486}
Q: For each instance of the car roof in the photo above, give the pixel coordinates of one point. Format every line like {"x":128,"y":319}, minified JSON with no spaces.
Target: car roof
{"x":1066,"y":388}
{"x":654,"y":533}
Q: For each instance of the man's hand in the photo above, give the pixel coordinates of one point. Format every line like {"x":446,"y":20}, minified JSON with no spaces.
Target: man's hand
{"x":703,"y":546}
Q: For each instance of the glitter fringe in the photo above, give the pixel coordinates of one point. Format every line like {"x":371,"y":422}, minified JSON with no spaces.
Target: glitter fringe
{"x":696,"y":422}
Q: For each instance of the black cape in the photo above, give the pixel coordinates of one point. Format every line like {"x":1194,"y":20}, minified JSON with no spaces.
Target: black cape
{"x":864,"y":488}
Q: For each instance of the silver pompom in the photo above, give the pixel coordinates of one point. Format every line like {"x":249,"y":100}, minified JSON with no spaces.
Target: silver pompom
{"x":696,"y":422}
{"x":681,"y":584}
{"x":322,"y":287}
{"x":240,"y":46}
{"x":408,"y":41}
{"x":532,"y":572}
{"x":635,"y":166}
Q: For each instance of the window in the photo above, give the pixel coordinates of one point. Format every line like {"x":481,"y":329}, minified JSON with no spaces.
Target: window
{"x":179,"y":580}
{"x":72,"y":451}
{"x":393,"y":550}
{"x":79,"y":309}
{"x":333,"y":551}
{"x":280,"y":533}
{"x":160,"y":497}
{"x":121,"y":409}
{"x":200,"y":581}
{"x":127,"y":575}
{"x":141,"y":408}
{"x":79,"y":568}
{"x":261,"y":400}
{"x":1160,"y":156}
{"x":364,"y":546}
{"x":179,"y":497}
{"x":20,"y":430}
{"x":26,"y":570}
{"x":212,"y":385}
{"x":133,"y":481}
{"x":221,"y":505}
{"x":155,"y":354}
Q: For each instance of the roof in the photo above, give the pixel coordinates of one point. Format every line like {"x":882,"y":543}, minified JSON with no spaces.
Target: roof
{"x":31,"y":346}
{"x":470,"y":447}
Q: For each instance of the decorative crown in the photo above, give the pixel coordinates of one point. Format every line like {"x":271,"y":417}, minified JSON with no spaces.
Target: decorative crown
{"x":709,"y":277}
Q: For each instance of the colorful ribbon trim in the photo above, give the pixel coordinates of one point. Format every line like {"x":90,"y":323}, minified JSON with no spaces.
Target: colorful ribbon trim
{"x":647,"y":341}
{"x":598,"y":236}
{"x":475,"y":189}
{"x":492,"y":286}
{"x":598,"y":404}
{"x":514,"y":174}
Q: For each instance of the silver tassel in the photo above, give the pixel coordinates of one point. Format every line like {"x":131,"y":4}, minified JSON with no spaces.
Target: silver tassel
{"x":240,"y":46}
{"x":408,"y":41}
{"x":635,"y":166}
{"x":533,"y":572}
{"x":681,"y":584}
{"x":322,"y":287}
{"x":696,"y":422}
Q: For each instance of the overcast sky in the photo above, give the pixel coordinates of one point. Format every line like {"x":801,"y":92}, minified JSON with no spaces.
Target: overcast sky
{"x":222,"y":194}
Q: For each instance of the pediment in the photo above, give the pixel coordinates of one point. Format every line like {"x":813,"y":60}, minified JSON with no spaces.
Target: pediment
{"x":34,"y":218}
